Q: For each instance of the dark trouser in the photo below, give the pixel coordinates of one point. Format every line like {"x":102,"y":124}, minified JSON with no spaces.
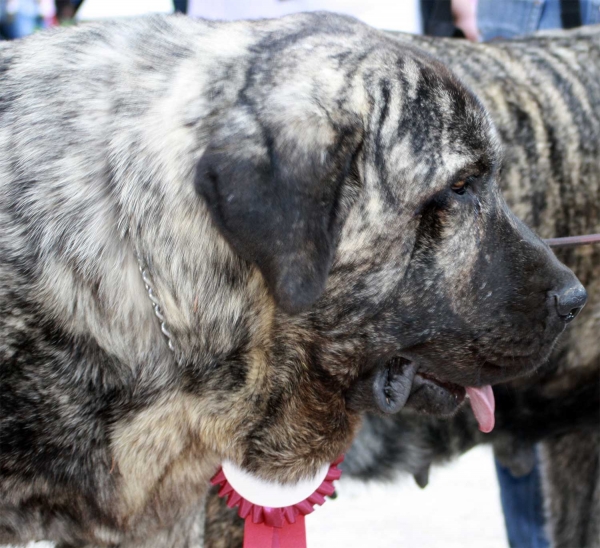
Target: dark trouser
{"x":523,"y":508}
{"x":181,"y":5}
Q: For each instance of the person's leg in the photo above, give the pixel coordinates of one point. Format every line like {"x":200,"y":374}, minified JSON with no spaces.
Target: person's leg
{"x":180,"y":5}
{"x":522,"y":504}
{"x":20,"y":20}
{"x":590,"y":12}
{"x":18,"y":26}
{"x":437,"y":17}
{"x":551,"y":16}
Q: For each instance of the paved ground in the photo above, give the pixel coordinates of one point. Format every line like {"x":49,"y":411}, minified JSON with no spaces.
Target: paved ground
{"x":459,"y":509}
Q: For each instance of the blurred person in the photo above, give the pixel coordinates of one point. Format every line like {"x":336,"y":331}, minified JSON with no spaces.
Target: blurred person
{"x":181,"y":6}
{"x":484,"y":20}
{"x":66,"y":9}
{"x":19,"y":18}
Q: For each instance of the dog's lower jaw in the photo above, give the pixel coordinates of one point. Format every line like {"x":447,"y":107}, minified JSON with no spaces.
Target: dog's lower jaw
{"x":430,"y":397}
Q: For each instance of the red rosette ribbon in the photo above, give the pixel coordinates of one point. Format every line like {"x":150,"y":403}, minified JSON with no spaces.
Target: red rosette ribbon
{"x":281,"y":527}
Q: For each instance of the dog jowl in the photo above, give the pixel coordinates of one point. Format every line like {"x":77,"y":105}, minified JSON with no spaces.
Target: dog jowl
{"x":316,"y":206}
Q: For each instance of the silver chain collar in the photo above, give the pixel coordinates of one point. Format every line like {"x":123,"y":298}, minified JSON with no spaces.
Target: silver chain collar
{"x":158,"y":312}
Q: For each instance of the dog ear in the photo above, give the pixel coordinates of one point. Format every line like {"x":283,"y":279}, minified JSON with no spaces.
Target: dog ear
{"x":280,"y":198}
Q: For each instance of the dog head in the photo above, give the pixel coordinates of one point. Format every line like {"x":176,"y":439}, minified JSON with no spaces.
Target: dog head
{"x":358,"y":176}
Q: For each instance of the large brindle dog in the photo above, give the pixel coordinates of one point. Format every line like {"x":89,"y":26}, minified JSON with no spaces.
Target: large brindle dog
{"x":315,"y":210}
{"x":543,"y":93}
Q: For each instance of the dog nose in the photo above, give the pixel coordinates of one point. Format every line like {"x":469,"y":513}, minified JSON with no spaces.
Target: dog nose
{"x":570,"y":300}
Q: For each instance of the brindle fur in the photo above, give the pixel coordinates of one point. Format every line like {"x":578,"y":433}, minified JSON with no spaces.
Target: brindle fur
{"x":287,"y":184}
{"x":543,"y":93}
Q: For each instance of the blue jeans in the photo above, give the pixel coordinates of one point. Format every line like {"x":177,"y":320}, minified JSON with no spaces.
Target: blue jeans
{"x":523,"y":508}
{"x":509,"y":18}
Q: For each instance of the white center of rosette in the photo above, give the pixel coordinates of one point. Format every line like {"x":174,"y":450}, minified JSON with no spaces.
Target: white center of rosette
{"x":269,"y":493}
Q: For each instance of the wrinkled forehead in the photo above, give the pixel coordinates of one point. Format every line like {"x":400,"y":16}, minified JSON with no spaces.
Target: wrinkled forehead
{"x":427,"y":126}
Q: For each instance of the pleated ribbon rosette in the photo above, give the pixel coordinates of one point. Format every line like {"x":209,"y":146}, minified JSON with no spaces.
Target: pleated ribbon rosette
{"x":274,"y":513}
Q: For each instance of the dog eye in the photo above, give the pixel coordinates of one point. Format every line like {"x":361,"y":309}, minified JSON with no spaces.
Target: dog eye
{"x":460,"y":187}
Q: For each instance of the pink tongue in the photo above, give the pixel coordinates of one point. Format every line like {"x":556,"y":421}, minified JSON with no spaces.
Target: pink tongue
{"x":483,"y":405}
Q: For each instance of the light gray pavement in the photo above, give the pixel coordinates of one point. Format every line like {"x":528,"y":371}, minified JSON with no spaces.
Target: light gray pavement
{"x":460,"y":508}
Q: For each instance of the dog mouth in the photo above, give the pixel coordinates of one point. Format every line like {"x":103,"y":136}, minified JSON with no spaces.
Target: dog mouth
{"x":400,"y":384}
